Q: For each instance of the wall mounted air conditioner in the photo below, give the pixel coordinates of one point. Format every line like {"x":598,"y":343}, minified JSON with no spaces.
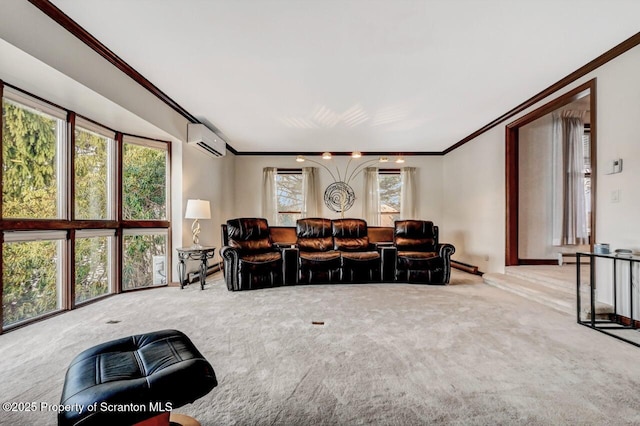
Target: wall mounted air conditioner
{"x":203,"y":138}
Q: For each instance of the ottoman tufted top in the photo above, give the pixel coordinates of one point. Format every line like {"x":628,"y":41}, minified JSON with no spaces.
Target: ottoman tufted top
{"x":131,"y":379}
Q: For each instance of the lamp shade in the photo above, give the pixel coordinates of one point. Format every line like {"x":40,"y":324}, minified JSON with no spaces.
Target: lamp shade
{"x":198,"y":209}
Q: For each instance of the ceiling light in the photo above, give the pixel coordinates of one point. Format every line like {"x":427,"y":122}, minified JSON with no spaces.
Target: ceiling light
{"x":400,"y":160}
{"x":326,"y":156}
{"x":300,"y":159}
{"x":356,"y":154}
{"x":383,"y":159}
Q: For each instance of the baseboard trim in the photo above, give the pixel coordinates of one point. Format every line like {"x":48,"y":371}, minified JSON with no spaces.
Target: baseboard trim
{"x":537,"y":262}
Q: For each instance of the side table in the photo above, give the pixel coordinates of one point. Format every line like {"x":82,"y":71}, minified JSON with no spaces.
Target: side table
{"x":194,"y":253}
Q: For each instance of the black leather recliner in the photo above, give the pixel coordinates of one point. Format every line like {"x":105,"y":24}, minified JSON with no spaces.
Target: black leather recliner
{"x":420,"y":258}
{"x":318,"y":262}
{"x":250,"y":259}
{"x":361,"y":261}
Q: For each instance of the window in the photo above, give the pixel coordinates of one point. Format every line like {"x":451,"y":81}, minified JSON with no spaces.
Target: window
{"x":144,"y":180}
{"x":586,"y":145}
{"x":144,"y":259}
{"x":145,"y":193}
{"x":390,"y":183}
{"x":94,"y":254}
{"x":93,"y":153}
{"x":33,"y":138}
{"x":290,"y":196}
{"x":31,"y":275}
{"x":59,"y":172}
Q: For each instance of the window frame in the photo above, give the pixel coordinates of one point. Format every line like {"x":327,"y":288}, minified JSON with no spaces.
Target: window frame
{"x":66,"y":222}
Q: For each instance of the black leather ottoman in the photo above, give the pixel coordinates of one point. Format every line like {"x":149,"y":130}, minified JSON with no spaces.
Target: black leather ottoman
{"x":129,"y":380}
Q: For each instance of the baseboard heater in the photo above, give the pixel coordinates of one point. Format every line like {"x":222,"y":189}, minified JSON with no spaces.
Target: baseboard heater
{"x":465,"y":267}
{"x":193,"y":277}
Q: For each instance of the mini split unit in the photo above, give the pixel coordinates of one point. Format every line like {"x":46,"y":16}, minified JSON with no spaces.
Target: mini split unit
{"x":203,"y":138}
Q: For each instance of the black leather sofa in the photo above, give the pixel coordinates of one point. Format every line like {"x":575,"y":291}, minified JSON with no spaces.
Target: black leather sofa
{"x":250,"y":258}
{"x":420,"y":257}
{"x":320,"y":250}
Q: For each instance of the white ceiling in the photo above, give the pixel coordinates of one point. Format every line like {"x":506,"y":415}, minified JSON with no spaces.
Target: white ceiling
{"x":369,"y":75}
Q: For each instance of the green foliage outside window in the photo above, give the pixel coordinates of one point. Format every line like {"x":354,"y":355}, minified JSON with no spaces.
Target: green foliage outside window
{"x":92,"y":268}
{"x":29,"y":276}
{"x":137,"y":268}
{"x":91,"y":163}
{"x":145,"y":191}
{"x":31,"y":191}
{"x":144,"y":183}
{"x":29,"y":141}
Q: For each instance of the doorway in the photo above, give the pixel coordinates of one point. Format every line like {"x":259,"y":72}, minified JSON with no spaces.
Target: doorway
{"x":529,"y":237}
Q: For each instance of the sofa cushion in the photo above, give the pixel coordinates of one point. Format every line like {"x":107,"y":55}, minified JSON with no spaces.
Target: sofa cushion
{"x":319,"y":256}
{"x":270,"y":256}
{"x":350,"y":235}
{"x":417,"y":254}
{"x":314,"y":234}
{"x":361,"y":255}
{"x":415,"y":235}
{"x":249,"y":234}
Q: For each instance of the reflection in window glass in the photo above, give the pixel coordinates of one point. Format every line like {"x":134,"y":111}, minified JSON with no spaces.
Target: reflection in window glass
{"x":144,"y":262}
{"x":144,"y":183}
{"x":390,"y":185}
{"x":29,"y":162}
{"x":30,"y":279}
{"x":92,"y":175}
{"x":93,"y":272}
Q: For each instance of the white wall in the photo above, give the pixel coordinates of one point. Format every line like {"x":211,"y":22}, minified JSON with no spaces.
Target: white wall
{"x":248,"y":178}
{"x":474,"y":201}
{"x":474,"y":187}
{"x":206,"y":178}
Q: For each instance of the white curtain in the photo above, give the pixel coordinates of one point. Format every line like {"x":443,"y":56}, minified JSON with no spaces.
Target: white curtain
{"x":310,"y":192}
{"x":408,"y":191}
{"x":371,"y":202}
{"x":269,"y":195}
{"x":570,"y":208}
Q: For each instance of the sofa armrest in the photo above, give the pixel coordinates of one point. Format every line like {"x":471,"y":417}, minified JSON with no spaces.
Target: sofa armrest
{"x":445,"y":251}
{"x":231,"y":257}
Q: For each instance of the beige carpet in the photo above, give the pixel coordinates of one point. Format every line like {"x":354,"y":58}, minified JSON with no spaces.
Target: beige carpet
{"x":388,"y":354}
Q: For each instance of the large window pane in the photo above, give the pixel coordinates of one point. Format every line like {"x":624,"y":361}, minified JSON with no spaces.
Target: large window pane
{"x":290,"y":198}
{"x":144,"y":183}
{"x":144,"y":260}
{"x":390,"y":185}
{"x":31,"y":279}
{"x":93,"y":267}
{"x":30,"y":141}
{"x":92,"y":175}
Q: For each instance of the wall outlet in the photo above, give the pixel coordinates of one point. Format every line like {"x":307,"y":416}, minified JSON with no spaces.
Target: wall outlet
{"x":486,"y":257}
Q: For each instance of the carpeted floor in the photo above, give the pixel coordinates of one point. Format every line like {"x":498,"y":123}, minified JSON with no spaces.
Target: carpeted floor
{"x":387,"y":354}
